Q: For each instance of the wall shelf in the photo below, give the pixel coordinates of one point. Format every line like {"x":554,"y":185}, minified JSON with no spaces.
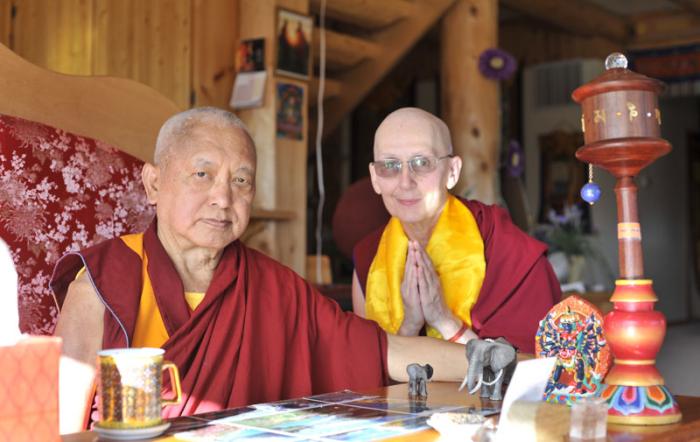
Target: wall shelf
{"x":272,"y":214}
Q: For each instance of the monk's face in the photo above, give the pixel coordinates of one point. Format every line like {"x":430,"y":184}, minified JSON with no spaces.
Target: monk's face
{"x":204,"y":188}
{"x":414,"y":198}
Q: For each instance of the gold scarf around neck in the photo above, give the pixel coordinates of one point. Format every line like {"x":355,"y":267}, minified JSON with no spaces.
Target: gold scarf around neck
{"x":456,"y":250}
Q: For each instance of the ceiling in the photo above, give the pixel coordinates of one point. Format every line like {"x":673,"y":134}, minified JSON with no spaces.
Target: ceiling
{"x":635,"y":7}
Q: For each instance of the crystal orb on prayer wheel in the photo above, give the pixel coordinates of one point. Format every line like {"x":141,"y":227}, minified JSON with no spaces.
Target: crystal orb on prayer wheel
{"x":621,"y":122}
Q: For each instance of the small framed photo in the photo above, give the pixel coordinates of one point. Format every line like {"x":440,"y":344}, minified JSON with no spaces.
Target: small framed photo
{"x":250,"y":56}
{"x":293,"y":44}
{"x":290,"y":107}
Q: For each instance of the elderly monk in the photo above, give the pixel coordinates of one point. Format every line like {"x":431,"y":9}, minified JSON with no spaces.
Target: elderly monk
{"x":460,"y":269}
{"x":241,"y":327}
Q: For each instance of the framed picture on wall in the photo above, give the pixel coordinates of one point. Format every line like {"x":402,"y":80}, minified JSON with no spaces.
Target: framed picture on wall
{"x":290,"y":115}
{"x":250,"y":56}
{"x":293,"y":44}
{"x":562,"y":175}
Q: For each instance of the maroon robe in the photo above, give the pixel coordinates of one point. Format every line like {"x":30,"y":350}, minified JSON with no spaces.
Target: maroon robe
{"x":261,"y":333}
{"x":519,"y":287}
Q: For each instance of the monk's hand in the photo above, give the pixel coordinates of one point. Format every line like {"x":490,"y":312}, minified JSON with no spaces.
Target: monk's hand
{"x":435,"y":310}
{"x":413,"y":319}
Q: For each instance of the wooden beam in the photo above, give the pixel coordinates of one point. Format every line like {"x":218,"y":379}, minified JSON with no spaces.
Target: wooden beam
{"x":367,"y":14}
{"x":692,"y":6}
{"x":471,"y":102}
{"x":539,"y":45}
{"x":665,"y":29}
{"x":333,"y":89}
{"x":343,"y":50}
{"x":395,"y":41}
{"x":577,"y":16}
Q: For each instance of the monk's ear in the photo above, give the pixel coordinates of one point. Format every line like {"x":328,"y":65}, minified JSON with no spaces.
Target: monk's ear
{"x":455,"y":169}
{"x":373,"y":177}
{"x":150,"y":175}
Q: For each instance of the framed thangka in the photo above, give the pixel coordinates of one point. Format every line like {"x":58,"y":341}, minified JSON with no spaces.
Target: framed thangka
{"x":290,"y":107}
{"x":562,"y":176}
{"x":293,"y":44}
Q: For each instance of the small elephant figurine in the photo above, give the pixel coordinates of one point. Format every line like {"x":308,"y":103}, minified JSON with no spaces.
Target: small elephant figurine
{"x":490,"y":363}
{"x":418,"y":376}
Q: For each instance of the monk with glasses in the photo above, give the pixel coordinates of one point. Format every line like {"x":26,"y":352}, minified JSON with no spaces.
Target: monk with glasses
{"x":444,"y":266}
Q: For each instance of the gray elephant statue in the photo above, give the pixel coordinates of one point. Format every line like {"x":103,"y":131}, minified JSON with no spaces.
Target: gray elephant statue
{"x":491,"y":362}
{"x":418,"y":376}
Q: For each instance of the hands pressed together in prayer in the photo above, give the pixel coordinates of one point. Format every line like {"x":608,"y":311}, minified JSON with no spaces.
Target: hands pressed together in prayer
{"x":423,"y":299}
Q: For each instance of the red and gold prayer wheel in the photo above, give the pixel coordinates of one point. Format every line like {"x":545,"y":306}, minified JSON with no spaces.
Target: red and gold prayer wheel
{"x":621,"y":122}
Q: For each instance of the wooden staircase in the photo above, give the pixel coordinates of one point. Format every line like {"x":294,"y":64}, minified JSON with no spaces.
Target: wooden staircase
{"x":364,"y":41}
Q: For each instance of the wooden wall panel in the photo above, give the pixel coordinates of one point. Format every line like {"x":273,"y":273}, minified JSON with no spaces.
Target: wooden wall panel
{"x":291,"y":172}
{"x":164,"y":61}
{"x":5,"y":21}
{"x":114,"y":38}
{"x":281,"y":173}
{"x":148,"y":41}
{"x":55,"y":34}
{"x":256,"y":21}
{"x":145,"y":40}
{"x":214,"y":41}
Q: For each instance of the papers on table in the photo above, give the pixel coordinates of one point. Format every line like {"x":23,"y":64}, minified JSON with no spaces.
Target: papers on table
{"x":342,"y":416}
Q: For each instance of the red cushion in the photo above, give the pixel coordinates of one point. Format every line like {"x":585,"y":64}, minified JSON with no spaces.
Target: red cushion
{"x":60,"y":192}
{"x":359,"y":211}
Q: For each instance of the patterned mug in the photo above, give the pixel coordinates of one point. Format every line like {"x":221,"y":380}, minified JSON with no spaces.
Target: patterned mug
{"x":129,"y":387}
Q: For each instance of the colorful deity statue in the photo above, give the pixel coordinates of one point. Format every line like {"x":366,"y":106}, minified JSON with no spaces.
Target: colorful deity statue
{"x":572,"y":331}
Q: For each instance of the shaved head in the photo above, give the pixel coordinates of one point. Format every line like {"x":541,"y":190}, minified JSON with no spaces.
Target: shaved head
{"x":412,"y":119}
{"x":415,"y":198}
{"x":180,"y":128}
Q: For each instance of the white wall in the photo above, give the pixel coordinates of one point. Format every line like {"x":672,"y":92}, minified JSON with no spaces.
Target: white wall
{"x":543,"y":120}
{"x":565,"y":118}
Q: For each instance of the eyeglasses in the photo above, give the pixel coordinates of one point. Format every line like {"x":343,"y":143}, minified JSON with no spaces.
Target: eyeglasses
{"x":418,"y":165}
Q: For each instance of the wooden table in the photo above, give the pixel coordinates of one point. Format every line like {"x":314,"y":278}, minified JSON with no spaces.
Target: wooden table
{"x":552,"y":421}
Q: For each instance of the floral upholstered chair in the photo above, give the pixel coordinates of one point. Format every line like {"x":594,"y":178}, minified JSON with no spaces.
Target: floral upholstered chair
{"x":60,"y":192}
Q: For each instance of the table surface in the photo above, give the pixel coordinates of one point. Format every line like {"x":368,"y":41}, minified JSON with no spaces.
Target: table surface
{"x":551,"y":422}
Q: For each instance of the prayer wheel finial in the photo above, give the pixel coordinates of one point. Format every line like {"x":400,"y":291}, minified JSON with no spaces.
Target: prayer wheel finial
{"x":621,"y":122}
{"x":616,"y":60}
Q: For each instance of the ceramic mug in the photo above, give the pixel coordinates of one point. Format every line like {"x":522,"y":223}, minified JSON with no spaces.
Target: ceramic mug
{"x":129,"y":387}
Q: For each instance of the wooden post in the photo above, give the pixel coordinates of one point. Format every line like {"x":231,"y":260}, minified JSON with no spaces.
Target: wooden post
{"x":470,"y":102}
{"x":281,"y":172}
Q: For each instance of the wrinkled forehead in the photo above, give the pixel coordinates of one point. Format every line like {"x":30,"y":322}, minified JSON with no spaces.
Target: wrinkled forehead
{"x":212,"y":140}
{"x":409,"y":136}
